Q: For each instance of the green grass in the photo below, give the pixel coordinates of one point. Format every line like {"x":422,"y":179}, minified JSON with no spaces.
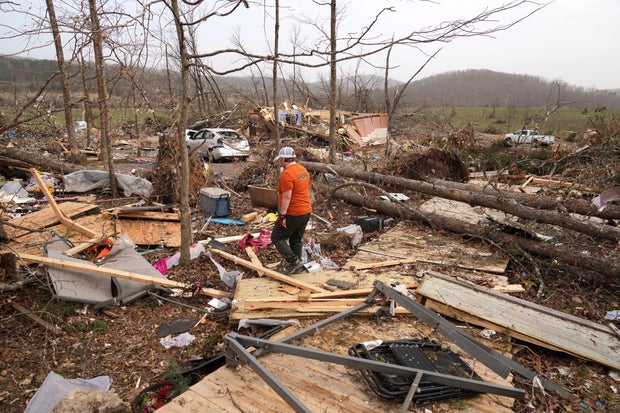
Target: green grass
{"x":563,"y":123}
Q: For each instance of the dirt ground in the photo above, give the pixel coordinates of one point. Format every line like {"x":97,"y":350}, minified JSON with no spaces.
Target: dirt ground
{"x":122,"y":342}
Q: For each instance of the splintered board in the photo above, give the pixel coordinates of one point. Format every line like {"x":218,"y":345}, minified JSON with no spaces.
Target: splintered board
{"x":323,"y":386}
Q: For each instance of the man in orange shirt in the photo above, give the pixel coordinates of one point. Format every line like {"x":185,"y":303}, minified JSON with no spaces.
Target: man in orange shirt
{"x":294,"y":209}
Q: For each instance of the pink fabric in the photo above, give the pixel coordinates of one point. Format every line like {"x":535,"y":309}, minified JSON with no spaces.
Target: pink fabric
{"x":161,"y":266}
{"x":262,"y":241}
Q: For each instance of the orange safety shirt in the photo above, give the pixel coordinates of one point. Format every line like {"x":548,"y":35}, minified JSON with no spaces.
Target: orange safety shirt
{"x":297,"y":179}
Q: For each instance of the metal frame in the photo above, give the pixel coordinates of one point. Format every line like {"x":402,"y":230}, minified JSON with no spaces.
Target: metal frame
{"x":381,"y":295}
{"x":501,"y":365}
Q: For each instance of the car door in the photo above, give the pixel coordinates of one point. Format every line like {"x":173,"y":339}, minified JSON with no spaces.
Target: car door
{"x":197,"y":142}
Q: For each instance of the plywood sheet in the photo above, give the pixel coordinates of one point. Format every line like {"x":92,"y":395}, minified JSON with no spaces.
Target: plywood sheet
{"x":34,"y":242}
{"x":45,"y":218}
{"x":148,"y":232}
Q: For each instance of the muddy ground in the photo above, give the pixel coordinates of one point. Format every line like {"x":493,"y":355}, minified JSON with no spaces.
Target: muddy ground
{"x":122,"y":342}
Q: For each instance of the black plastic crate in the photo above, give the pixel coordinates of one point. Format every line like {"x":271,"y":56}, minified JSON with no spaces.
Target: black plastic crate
{"x":421,"y":354}
{"x":369,"y":223}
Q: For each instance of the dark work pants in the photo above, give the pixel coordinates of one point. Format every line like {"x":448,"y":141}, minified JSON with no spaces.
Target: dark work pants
{"x":288,"y":241}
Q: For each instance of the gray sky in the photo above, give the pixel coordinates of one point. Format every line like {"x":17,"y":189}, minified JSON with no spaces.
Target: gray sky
{"x":575,"y":41}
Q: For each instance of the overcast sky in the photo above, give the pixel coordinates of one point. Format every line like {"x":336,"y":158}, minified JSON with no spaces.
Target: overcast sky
{"x":576,"y":41}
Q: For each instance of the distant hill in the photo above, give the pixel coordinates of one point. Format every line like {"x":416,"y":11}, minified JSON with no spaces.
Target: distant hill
{"x":489,"y":88}
{"x":458,"y":88}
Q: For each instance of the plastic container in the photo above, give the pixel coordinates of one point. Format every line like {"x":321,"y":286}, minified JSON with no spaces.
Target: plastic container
{"x":215,"y":202}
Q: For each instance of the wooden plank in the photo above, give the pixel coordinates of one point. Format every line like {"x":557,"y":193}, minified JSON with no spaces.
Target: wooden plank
{"x":254,"y":258}
{"x":407,"y":242}
{"x":149,"y":215}
{"x":319,"y":303}
{"x":273,"y":274}
{"x":93,"y":269}
{"x":451,"y":312}
{"x":511,"y":288}
{"x":270,"y":289}
{"x":571,"y":334}
{"x":332,"y":294}
{"x":382,"y":264}
{"x":565,"y":184}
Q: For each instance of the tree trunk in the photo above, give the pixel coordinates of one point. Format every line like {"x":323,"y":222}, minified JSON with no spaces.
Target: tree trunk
{"x":186,"y":223}
{"x":26,"y":159}
{"x":102,"y":90}
{"x":332,"y":84}
{"x":87,"y":114}
{"x":274,"y":75}
{"x":561,"y":253}
{"x":499,"y":200}
{"x":66,"y":94}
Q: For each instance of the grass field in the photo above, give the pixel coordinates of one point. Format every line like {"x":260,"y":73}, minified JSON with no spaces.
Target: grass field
{"x":563,"y":123}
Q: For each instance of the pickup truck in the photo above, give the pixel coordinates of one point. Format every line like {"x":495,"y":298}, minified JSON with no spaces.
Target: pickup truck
{"x":531,"y":136}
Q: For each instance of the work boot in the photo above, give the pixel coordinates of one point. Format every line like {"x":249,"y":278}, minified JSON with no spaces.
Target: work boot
{"x":294,"y":268}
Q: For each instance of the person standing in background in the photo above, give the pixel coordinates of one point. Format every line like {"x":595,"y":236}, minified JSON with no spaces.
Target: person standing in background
{"x":294,"y":209}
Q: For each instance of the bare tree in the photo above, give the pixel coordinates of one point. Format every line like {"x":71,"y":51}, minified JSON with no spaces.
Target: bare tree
{"x":106,"y":140}
{"x":332,"y":82}
{"x":186,"y":227}
{"x":66,"y":94}
{"x":392,"y":105}
{"x":276,"y":41}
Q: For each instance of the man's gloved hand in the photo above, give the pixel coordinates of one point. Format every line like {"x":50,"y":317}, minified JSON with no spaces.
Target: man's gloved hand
{"x":282,"y":221}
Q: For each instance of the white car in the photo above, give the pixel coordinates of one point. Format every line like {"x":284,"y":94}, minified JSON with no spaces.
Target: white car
{"x":218,"y":144}
{"x":528,"y":136}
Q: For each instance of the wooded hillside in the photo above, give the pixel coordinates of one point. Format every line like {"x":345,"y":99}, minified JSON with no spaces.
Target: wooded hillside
{"x":458,"y":88}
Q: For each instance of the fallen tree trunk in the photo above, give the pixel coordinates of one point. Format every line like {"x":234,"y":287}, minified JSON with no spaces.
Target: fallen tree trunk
{"x":560,"y":253}
{"x":24,"y":159}
{"x":498,"y":201}
{"x":577,"y":206}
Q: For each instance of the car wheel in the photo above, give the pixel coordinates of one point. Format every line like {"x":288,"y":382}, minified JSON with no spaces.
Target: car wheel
{"x":535,"y":143}
{"x":508,"y":141}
